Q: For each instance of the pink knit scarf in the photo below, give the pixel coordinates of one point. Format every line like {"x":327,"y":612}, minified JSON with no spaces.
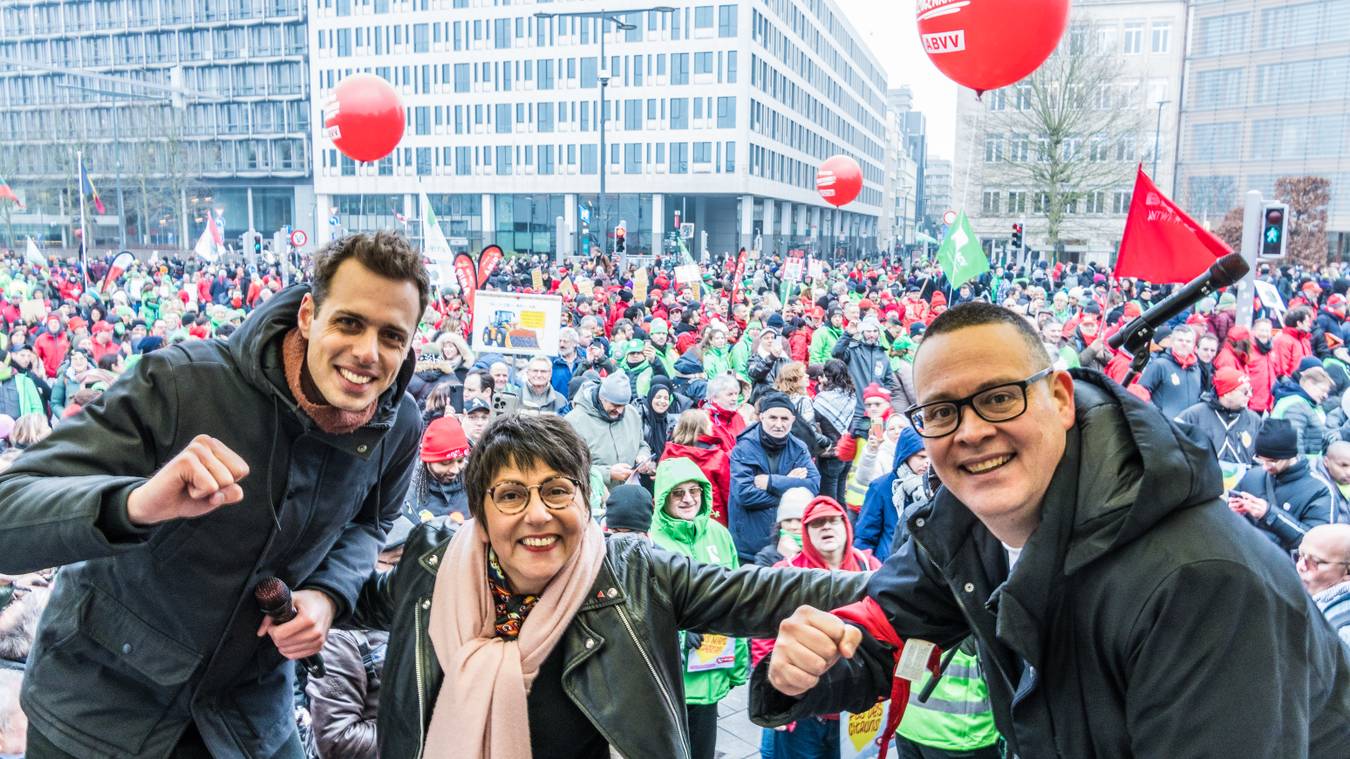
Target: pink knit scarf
{"x":481,"y":710}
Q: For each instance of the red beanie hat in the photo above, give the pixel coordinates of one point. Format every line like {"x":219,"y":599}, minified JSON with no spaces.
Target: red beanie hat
{"x":876,"y":391}
{"x":1227,"y":379}
{"x":444,"y":440}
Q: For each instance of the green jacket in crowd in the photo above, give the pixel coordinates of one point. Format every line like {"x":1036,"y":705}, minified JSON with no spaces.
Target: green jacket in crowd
{"x":822,"y":343}
{"x":704,"y":540}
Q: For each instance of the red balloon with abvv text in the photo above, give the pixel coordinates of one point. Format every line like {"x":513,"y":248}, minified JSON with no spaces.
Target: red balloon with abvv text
{"x":987,"y":44}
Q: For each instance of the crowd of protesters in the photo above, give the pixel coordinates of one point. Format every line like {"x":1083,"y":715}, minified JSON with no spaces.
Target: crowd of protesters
{"x":750,"y":422}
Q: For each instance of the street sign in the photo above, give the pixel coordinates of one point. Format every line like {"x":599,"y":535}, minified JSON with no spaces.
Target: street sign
{"x":299,"y":238}
{"x":687,"y":231}
{"x":949,"y":217}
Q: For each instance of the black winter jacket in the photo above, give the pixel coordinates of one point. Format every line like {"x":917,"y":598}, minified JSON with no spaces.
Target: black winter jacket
{"x":149,"y":629}
{"x":1136,"y":612}
{"x":1298,"y":502}
{"x":623,"y":669}
{"x":1232,"y":434}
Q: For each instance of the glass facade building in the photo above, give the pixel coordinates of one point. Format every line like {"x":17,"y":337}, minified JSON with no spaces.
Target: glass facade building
{"x":238,"y":140}
{"x":717,"y":113}
{"x":1267,"y":96}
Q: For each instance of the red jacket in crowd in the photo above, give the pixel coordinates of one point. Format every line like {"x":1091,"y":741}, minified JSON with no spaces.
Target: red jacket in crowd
{"x":1288,"y":348}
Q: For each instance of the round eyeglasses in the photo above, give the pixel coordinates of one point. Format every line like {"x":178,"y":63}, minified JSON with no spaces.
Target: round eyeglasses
{"x":511,"y":498}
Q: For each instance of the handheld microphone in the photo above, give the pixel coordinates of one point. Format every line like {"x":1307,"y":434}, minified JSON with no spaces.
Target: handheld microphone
{"x":274,"y":600}
{"x":1139,"y":331}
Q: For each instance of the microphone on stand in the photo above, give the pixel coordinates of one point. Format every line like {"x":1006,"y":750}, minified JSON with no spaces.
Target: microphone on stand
{"x":1134,"y":338}
{"x":274,"y":599}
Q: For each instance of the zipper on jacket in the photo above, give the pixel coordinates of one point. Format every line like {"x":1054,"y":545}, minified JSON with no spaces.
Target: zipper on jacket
{"x":660,"y":686}
{"x":417,"y":668}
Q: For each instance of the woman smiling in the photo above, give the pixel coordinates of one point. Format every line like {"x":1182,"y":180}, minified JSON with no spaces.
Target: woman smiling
{"x":530,"y":634}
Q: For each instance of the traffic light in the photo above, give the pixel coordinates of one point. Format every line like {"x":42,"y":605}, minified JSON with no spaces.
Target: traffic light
{"x":1017,"y":236}
{"x":257,"y":245}
{"x":1273,"y":230}
{"x":620,"y":241}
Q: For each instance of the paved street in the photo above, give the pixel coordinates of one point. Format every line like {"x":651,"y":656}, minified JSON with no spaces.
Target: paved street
{"x":739,"y":738}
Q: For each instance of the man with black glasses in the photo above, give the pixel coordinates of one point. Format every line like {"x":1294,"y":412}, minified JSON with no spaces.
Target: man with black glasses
{"x":1080,"y":539}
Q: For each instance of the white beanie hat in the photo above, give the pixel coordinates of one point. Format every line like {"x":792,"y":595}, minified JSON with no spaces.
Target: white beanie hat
{"x":793,"y":504}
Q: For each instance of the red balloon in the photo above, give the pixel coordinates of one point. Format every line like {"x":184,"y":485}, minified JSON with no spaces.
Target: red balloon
{"x":989,"y":44}
{"x":839,"y":180}
{"x":364,"y":117}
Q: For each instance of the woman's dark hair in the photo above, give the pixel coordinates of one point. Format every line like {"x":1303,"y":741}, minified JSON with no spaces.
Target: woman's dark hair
{"x":524,"y":442}
{"x":386,"y":253}
{"x":835,"y":376}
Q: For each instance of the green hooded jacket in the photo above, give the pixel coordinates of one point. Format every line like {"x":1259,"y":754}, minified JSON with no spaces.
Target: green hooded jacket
{"x":701,"y":539}
{"x":822,"y":343}
{"x":715,"y":362}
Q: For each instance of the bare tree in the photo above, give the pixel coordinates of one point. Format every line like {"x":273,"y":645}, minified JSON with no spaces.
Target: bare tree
{"x":1074,"y":127}
{"x":1230,"y":229}
{"x":1306,"y":225}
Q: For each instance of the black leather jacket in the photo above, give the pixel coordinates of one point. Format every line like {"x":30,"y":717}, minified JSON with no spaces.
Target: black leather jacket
{"x":621,"y":650}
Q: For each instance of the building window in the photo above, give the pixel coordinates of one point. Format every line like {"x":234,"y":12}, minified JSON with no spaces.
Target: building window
{"x":993,"y":148}
{"x":461,"y":77}
{"x":703,"y":17}
{"x":502,"y":117}
{"x":1094,"y":202}
{"x":989,"y":203}
{"x":1019,"y":148}
{"x":679,"y":158}
{"x":1134,"y":37}
{"x":1162,"y":36}
{"x":729,"y":153}
{"x":726,"y":21}
{"x":679,"y":68}
{"x":632,"y":158}
{"x":703,"y":63}
{"x":679,"y":113}
{"x":726,"y":113}
{"x":703,"y":152}
{"x":1217,"y":35}
{"x":1120,"y":202}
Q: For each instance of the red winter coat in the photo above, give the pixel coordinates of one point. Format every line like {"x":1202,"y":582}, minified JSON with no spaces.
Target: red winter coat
{"x":1288,"y":348}
{"x":52,"y":349}
{"x":799,"y":345}
{"x":1261,"y":372}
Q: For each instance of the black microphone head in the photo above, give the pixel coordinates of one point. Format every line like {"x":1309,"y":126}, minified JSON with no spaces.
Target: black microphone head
{"x":1228,"y":270}
{"x":273,"y":595}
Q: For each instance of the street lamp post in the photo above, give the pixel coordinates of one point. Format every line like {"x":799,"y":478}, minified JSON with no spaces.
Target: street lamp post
{"x":1157,"y":130}
{"x":606,"y":18}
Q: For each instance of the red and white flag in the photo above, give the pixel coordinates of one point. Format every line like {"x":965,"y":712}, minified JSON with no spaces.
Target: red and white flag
{"x":1161,"y":243}
{"x":120,"y":264}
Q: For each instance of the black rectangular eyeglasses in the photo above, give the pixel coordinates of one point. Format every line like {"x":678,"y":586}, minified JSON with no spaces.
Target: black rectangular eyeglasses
{"x":1000,"y":403}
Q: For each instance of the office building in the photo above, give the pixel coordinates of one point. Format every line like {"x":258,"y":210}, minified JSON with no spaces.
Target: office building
{"x":937,"y":185}
{"x":717,"y":115}
{"x":1267,"y":94}
{"x":906,"y":166}
{"x":107,"y":77}
{"x":1132,"y":107}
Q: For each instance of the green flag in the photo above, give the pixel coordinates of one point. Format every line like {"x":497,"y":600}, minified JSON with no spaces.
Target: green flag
{"x":961,"y":256}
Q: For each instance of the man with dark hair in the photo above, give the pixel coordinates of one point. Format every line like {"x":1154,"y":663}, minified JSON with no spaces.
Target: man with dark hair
{"x":766,"y":462}
{"x":1080,"y":540}
{"x":210,"y":465}
{"x":1173,"y":378}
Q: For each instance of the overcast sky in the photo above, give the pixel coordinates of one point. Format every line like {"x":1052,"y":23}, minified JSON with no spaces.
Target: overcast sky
{"x":888,"y":29}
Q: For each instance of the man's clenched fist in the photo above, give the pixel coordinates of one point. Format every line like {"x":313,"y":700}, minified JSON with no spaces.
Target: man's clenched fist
{"x":199,"y":480}
{"x":809,"y":643}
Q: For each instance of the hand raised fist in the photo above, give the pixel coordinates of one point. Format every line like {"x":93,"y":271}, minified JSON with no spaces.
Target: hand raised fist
{"x":203,"y":477}
{"x":809,"y":643}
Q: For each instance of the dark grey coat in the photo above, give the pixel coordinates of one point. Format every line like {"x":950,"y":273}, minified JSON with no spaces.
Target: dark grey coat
{"x":1136,"y":611}
{"x":152,"y":628}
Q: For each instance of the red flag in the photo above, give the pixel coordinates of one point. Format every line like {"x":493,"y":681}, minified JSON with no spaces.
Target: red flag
{"x":467,"y":277}
{"x":120,"y":264}
{"x":8,"y":194}
{"x":1161,"y":243}
{"x":487,"y":263}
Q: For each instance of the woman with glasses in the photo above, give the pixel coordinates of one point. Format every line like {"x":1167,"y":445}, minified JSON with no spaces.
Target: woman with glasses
{"x":528,"y":633}
{"x":714,"y":664}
